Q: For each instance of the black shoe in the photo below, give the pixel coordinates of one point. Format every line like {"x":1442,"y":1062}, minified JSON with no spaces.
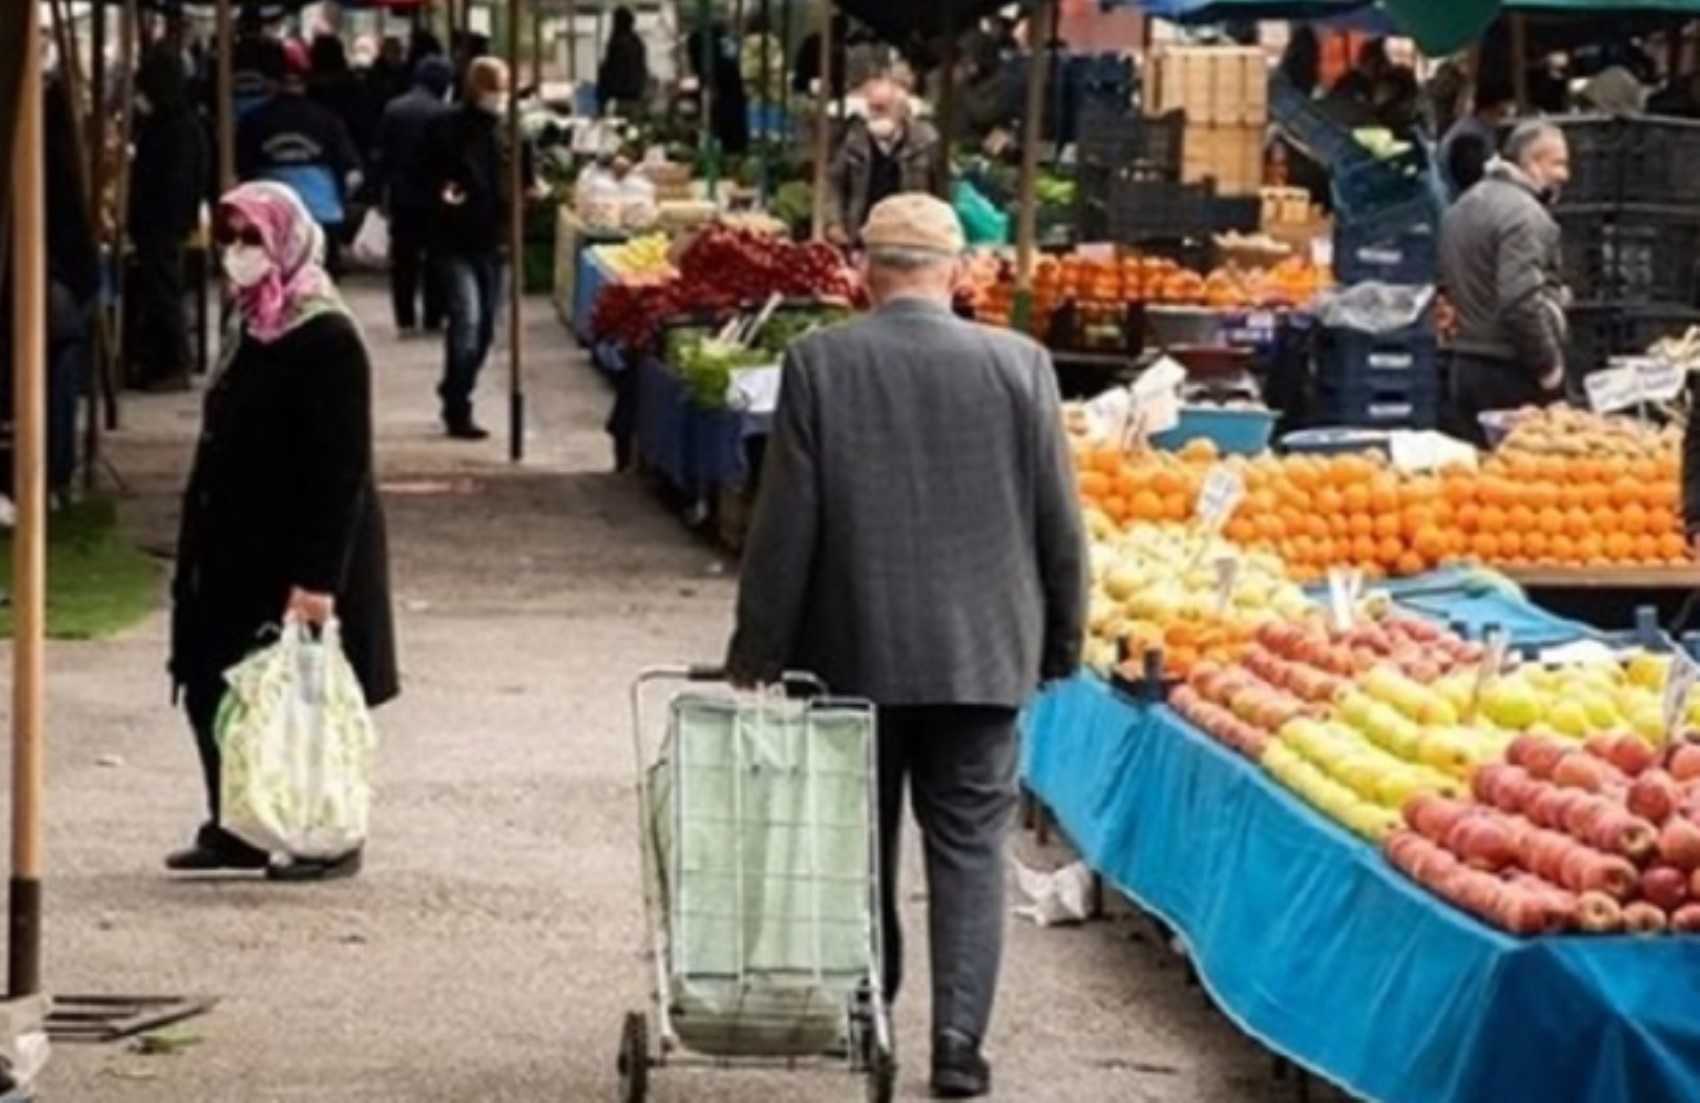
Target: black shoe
{"x":217,"y":851}
{"x":301,"y":870}
{"x":466,"y":430}
{"x":959,"y":1072}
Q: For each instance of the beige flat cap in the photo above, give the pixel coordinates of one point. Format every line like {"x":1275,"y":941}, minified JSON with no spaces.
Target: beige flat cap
{"x":914,"y":220}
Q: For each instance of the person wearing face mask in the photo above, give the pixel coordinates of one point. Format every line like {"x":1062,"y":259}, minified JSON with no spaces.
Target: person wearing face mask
{"x":465,"y":173}
{"x":408,"y":197}
{"x":884,"y":152}
{"x":169,"y":179}
{"x":1501,"y":269}
{"x":281,"y":516}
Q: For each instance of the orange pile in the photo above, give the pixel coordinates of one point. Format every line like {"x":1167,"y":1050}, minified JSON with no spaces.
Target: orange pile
{"x":1317,"y":513}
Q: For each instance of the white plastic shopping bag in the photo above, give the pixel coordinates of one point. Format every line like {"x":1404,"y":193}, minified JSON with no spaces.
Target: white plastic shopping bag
{"x":297,"y":744}
{"x":372,"y":244}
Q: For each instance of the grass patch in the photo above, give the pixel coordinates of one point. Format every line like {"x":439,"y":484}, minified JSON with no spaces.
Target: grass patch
{"x":98,"y":581}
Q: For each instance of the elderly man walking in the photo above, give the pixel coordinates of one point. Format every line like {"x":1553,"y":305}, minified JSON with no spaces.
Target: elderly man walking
{"x":918,"y":543}
{"x":1501,"y":267}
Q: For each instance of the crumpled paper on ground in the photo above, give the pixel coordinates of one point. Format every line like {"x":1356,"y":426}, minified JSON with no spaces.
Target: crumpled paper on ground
{"x":1059,"y":898}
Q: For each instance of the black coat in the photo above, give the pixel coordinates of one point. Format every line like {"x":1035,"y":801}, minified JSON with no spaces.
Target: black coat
{"x":283,"y":495}
{"x":172,"y":172}
{"x":407,"y":121}
{"x":465,"y":147}
{"x":624,"y":76}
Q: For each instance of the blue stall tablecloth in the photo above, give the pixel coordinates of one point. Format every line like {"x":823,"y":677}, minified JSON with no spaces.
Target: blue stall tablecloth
{"x":593,"y":275}
{"x":698,"y":451}
{"x":1475,"y":599}
{"x":1313,"y":944}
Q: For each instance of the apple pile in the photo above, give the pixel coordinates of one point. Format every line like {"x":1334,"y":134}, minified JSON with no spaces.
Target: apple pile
{"x":1583,"y":699}
{"x":1601,"y":838}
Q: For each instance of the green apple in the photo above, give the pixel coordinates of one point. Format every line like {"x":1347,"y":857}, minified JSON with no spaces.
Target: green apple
{"x":1570,"y":717}
{"x":1511,"y":704}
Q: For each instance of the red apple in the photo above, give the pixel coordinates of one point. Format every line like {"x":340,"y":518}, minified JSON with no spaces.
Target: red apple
{"x":1600,"y":746}
{"x":1679,"y":844}
{"x":1632,"y":754}
{"x":1434,"y":815}
{"x":1686,"y":920}
{"x":1585,"y":812}
{"x":1598,"y":914}
{"x":1551,"y":806}
{"x":1644,"y":919}
{"x":1654,"y":796}
{"x":1537,"y":755}
{"x":1482,"y":842}
{"x":1665,"y":886}
{"x":1617,"y":832}
{"x":1684,"y":763}
{"x":1581,"y":771}
{"x":1609,"y":874}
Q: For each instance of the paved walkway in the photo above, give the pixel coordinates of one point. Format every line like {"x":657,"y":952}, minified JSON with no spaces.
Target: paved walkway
{"x":496,"y":938}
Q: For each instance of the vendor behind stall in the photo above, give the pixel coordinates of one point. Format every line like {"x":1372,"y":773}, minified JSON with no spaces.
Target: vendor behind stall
{"x":884,"y":151}
{"x":1500,"y":265}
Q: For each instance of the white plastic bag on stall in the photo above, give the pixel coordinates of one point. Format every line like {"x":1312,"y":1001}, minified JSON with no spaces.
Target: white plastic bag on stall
{"x":372,"y":244}
{"x":297,"y":744}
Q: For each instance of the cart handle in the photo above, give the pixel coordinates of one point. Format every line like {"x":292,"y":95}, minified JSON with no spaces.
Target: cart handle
{"x":712,"y":673}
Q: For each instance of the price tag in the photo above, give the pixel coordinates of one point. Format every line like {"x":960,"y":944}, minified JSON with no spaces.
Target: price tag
{"x":1344,"y":586}
{"x":1634,"y":383}
{"x":1662,"y":381}
{"x":1222,"y":493}
{"x":1496,"y":644}
{"x":1679,"y":687}
{"x":1227,"y":578}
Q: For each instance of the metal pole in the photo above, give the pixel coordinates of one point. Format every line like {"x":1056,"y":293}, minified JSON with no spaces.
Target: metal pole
{"x":764,"y":109}
{"x":516,"y":245}
{"x":129,"y":30}
{"x":226,"y":101}
{"x":823,"y":121}
{"x":947,"y":104}
{"x":710,"y":65}
{"x":1520,"y":60}
{"x":105,"y":362}
{"x":29,"y":537}
{"x":785,"y":65}
{"x":572,"y":44}
{"x":1032,"y":133}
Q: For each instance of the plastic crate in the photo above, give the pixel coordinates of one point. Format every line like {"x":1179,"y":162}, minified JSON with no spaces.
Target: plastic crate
{"x":1404,"y":360}
{"x":1366,"y":251}
{"x":1365,"y":189}
{"x":1633,"y":255}
{"x":1373,"y":410}
{"x":1112,"y":136}
{"x":1139,"y":211}
{"x":1633,"y":159}
{"x":1599,"y":331}
{"x":1596,"y":176}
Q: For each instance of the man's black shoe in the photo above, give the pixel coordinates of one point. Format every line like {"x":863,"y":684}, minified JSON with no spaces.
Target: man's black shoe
{"x":959,"y":1072}
{"x":467,"y":430}
{"x":300,"y":871}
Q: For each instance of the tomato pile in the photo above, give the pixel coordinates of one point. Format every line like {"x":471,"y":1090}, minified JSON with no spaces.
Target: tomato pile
{"x":723,"y":269}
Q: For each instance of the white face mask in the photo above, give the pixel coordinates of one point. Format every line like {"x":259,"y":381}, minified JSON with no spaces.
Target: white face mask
{"x":883,"y":129}
{"x":495,"y":103}
{"x":246,"y":265}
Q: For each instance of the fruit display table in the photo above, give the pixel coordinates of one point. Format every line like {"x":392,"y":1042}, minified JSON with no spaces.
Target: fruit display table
{"x":695,"y":451}
{"x":1608,"y":597}
{"x":1314,"y":945}
{"x":574,"y":268}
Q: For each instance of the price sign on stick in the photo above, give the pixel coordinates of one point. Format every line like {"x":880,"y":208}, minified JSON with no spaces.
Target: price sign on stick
{"x":1497,"y":643}
{"x":1222,"y":493}
{"x":1344,"y":586}
{"x":1227,"y":578}
{"x":1679,"y":687}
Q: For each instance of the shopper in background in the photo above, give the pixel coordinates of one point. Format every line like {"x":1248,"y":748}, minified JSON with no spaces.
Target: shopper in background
{"x":623,"y":81}
{"x":466,"y":173}
{"x":408,"y":195}
{"x":712,"y":56}
{"x":918,"y":542}
{"x":760,"y":42}
{"x":334,"y":86}
{"x":1473,"y":140}
{"x":294,"y":141}
{"x":169,"y":179}
{"x":1501,"y":269}
{"x":281,"y":516}
{"x":884,"y":152}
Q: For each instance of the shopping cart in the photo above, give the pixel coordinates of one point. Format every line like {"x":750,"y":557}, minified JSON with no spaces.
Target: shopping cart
{"x":761,"y":883}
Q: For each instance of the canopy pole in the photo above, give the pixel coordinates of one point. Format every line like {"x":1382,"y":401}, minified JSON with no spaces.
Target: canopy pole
{"x":1033,"y":130}
{"x":764,"y":140}
{"x":786,"y":66}
{"x":129,"y":30}
{"x":823,"y":122}
{"x":1520,"y":60}
{"x":105,"y":362}
{"x":572,"y":44}
{"x":29,"y":537}
{"x":709,"y":147}
{"x":226,"y":101}
{"x":948,"y":95}
{"x":516,"y":244}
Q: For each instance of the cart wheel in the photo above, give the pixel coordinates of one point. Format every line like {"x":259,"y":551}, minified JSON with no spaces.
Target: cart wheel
{"x":634,"y":1059}
{"x":882,"y":1078}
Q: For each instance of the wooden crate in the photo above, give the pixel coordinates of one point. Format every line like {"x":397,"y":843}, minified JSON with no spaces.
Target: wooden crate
{"x":1285,"y":206}
{"x":1214,"y":85}
{"x":1230,"y":155}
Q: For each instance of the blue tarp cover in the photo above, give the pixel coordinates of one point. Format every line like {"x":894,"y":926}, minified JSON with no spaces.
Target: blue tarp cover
{"x":1313,"y":944}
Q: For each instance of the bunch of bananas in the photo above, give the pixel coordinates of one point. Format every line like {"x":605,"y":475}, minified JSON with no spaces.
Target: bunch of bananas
{"x":649,"y":255}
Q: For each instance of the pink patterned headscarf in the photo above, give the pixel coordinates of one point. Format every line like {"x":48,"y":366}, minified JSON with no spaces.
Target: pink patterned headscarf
{"x":298,"y":288}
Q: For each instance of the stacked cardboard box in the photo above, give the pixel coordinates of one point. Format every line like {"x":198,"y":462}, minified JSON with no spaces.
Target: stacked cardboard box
{"x":1224,"y":91}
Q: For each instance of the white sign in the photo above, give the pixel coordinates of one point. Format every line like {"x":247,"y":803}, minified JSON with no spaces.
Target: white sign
{"x":1637,"y":382}
{"x":1222,"y":493}
{"x":1679,"y":687}
{"x":1493,"y":664}
{"x":1344,"y":586}
{"x":1227,"y":577}
{"x":754,"y":390}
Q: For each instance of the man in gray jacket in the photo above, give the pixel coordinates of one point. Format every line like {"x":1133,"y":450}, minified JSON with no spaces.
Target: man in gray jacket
{"x":883,"y":153}
{"x":1500,"y":265}
{"x":918,"y":542}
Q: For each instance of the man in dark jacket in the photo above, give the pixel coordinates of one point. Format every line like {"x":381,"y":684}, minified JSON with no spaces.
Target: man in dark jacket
{"x":294,"y":141}
{"x":883,"y":153}
{"x":466,"y":170}
{"x":1501,"y":267}
{"x":408,"y":193}
{"x":1473,"y":140}
{"x":624,"y":77}
{"x":918,"y":543}
{"x":169,"y":180}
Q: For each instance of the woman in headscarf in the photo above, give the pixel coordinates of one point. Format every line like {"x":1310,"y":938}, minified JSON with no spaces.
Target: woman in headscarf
{"x":281,"y":517}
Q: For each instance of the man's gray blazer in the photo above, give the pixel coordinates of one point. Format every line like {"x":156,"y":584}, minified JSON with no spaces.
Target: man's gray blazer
{"x":918,"y":538}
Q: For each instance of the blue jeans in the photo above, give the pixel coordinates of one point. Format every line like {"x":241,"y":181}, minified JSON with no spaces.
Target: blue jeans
{"x":472,"y":287}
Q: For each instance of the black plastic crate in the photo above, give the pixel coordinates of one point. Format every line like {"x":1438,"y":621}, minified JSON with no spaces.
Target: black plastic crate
{"x":1365,"y":251}
{"x":1633,"y":254}
{"x":1632,"y":159}
{"x":1111,"y":135}
{"x":1140,"y":211}
{"x":1600,"y":331}
{"x":1368,"y":409}
{"x":1596,"y":176}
